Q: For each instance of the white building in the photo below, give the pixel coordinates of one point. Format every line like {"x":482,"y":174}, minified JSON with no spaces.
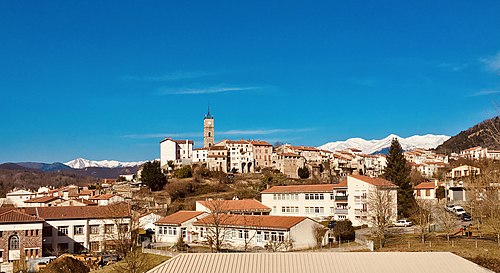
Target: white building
{"x":17,"y":197}
{"x":315,"y":201}
{"x":281,"y":233}
{"x":107,"y":199}
{"x":200,"y":156}
{"x":178,"y":151}
{"x":240,"y":155}
{"x":359,"y":189}
{"x":76,"y":229}
{"x":147,"y":220}
{"x":463,"y":171}
{"x":171,"y":227}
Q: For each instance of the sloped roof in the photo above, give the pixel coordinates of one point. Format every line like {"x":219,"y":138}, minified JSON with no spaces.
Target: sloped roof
{"x":300,"y":188}
{"x":314,"y":262}
{"x":178,"y":141}
{"x":179,"y":217}
{"x":44,"y":199}
{"x":375,"y":181}
{"x":117,"y":210}
{"x":83,"y":201}
{"x":235,"y":205}
{"x":256,"y":221}
{"x":426,"y":185}
{"x":260,"y":143}
{"x":16,"y":216}
{"x":103,"y":196}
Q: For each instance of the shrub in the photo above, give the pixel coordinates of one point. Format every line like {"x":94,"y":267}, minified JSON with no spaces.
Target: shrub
{"x":184,"y":172}
{"x":303,"y":172}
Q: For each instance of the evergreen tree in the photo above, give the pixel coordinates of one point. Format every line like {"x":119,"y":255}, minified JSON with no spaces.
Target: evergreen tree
{"x":152,"y":176}
{"x":303,"y":172}
{"x":398,"y":172}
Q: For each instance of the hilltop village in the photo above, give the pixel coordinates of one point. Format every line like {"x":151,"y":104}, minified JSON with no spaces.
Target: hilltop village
{"x":246,"y":195}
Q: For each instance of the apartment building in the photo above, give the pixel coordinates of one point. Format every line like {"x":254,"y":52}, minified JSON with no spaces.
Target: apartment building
{"x":262,"y":153}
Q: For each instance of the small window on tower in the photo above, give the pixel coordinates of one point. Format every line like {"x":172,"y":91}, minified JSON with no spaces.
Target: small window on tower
{"x":209,"y":134}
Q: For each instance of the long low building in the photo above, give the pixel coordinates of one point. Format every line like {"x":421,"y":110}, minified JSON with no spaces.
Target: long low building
{"x":309,"y":262}
{"x":279,"y":233}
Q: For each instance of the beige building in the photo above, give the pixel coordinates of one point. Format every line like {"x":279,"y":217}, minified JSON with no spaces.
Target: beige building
{"x":217,"y":159}
{"x":263,"y":152}
{"x":288,"y":164}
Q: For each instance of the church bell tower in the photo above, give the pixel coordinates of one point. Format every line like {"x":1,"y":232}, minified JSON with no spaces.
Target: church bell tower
{"x":208,"y":130}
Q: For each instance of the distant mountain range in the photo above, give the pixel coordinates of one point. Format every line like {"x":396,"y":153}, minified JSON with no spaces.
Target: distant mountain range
{"x":381,"y":145}
{"x":485,"y":134}
{"x":81,"y":163}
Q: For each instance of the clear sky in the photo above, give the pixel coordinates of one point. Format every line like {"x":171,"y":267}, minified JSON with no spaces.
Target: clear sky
{"x":110,"y":79}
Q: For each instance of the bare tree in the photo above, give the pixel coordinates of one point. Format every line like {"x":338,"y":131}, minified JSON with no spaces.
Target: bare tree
{"x":423,"y":217}
{"x":276,"y":244}
{"x":217,"y":220}
{"x":448,"y":222}
{"x":319,"y":234}
{"x":381,"y":212}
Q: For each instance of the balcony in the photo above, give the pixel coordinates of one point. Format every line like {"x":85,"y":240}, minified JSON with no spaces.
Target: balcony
{"x":341,"y":197}
{"x":341,"y":211}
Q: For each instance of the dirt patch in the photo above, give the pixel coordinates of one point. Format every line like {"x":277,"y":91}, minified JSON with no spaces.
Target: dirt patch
{"x":66,"y":264}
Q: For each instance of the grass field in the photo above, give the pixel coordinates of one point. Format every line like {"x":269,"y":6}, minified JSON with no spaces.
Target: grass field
{"x":481,"y":251}
{"x":151,"y":261}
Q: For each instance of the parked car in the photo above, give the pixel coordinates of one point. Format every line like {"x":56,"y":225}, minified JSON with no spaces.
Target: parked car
{"x":458,"y":210}
{"x":466,"y":217}
{"x":403,"y":223}
{"x":449,"y":207}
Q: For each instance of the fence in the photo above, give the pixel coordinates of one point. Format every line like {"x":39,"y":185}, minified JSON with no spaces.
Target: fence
{"x":443,"y":245}
{"x":159,"y":252}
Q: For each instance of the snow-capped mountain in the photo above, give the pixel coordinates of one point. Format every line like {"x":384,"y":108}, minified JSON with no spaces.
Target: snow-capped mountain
{"x":81,"y":163}
{"x":372,"y":146}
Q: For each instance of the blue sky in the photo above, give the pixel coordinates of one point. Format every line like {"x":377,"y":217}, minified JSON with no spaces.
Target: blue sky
{"x":109,"y":79}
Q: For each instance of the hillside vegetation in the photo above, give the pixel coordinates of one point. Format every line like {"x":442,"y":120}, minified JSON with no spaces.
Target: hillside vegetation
{"x":482,"y":134}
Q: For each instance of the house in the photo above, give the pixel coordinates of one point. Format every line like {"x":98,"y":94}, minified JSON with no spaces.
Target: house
{"x":200,"y":156}
{"x":474,"y":153}
{"x":245,"y":206}
{"x":312,"y":201}
{"x":282,"y":233}
{"x":463,"y":171}
{"x":359,"y":190}
{"x":20,"y":236}
{"x":240,"y":156}
{"x":262,"y":151}
{"x":288,"y":163}
{"x":17,"y":197}
{"x":106,"y":199}
{"x":180,"y":152}
{"x":217,"y":159}
{"x":425,"y":191}
{"x":169,"y":228}
{"x":147,"y":220}
{"x":320,"y":262}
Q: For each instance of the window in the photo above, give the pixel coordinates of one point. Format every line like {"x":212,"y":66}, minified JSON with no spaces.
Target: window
{"x":240,"y":234}
{"x":281,"y":237}
{"x":108,"y":229}
{"x":94,"y":246}
{"x":427,"y":192}
{"x":259,"y":236}
{"x":266,"y":236}
{"x":94,"y":229}
{"x":62,"y":231}
{"x":78,"y":230}
{"x":14,"y":242}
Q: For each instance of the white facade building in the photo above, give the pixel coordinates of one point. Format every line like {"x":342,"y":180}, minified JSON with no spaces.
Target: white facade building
{"x":279,"y":233}
{"x":17,"y":197}
{"x":171,"y":227}
{"x":178,"y":151}
{"x":359,"y":188}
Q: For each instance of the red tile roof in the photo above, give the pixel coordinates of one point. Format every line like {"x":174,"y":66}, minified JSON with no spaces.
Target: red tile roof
{"x":83,"y":201}
{"x":244,"y":205}
{"x":260,"y":143}
{"x":16,"y":216}
{"x":300,"y":188}
{"x":44,"y":199}
{"x":103,"y":196}
{"x":254,"y":221}
{"x":179,"y":217}
{"x":426,"y":185}
{"x":118,"y":210}
{"x":375,"y":181}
